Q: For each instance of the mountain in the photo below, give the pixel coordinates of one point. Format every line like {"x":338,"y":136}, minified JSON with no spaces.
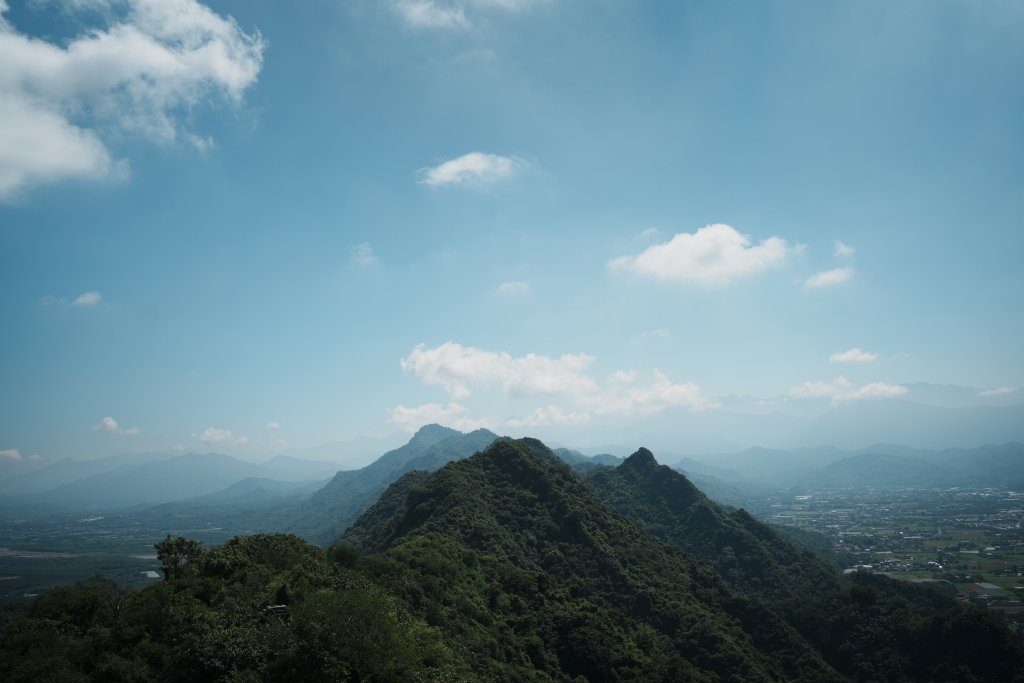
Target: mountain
{"x":788,"y":423}
{"x":747,"y":553}
{"x":505,"y":566}
{"x":878,"y":466}
{"x":149,"y":483}
{"x":511,"y":554}
{"x":290,"y":468}
{"x":68,"y":470}
{"x":325,"y":515}
{"x":875,"y":470}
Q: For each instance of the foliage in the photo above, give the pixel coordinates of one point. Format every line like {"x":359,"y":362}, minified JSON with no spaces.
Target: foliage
{"x":748,"y":554}
{"x":509,"y":566}
{"x":210,"y":620}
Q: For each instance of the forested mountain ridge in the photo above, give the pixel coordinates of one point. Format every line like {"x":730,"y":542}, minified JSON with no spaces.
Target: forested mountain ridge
{"x":321,"y":516}
{"x":745,"y":552}
{"x":507,"y":566}
{"x":325,"y":515}
{"x":547,"y":556}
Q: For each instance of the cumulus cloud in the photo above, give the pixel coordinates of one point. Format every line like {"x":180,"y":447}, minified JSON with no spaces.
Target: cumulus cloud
{"x":87,"y":299}
{"x":471,"y":170}
{"x":10,"y":454}
{"x":456,"y":367}
{"x":215,"y":435}
{"x":451,"y":415}
{"x":714,"y":255}
{"x":619,"y":398}
{"x":109,"y":424}
{"x":841,"y":389}
{"x":829,"y":278}
{"x":513,"y":288}
{"x":550,"y":415}
{"x":362,"y":255}
{"x":154,"y":59}
{"x":853,"y":355}
{"x":996,"y":391}
{"x":842,"y":250}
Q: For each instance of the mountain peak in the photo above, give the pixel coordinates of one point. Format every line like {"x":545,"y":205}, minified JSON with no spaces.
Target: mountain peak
{"x":432,"y":433}
{"x":642,"y":459}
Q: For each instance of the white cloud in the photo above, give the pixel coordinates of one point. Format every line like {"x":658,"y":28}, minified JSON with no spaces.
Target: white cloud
{"x":549,"y":415}
{"x":509,"y":5}
{"x":87,"y":299}
{"x":714,"y":255}
{"x":514,"y":288}
{"x":647,"y":233}
{"x":109,"y":424}
{"x":362,"y":254}
{"x":996,"y":391}
{"x":451,"y":14}
{"x":623,"y":377}
{"x":215,"y":435}
{"x":828,"y":278}
{"x":620,"y":399}
{"x":842,"y":250}
{"x":456,"y":367}
{"x":156,"y":59}
{"x":10,"y":454}
{"x":428,"y":14}
{"x":178,"y":448}
{"x":273,"y":425}
{"x":841,"y":389}
{"x":472,"y":170}
{"x":853,"y":355}
{"x":451,"y":415}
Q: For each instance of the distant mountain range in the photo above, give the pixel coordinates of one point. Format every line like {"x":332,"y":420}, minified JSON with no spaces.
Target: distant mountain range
{"x":125,"y":481}
{"x":878,"y":466}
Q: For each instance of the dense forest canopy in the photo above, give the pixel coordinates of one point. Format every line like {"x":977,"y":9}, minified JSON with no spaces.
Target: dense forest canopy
{"x":511,"y":565}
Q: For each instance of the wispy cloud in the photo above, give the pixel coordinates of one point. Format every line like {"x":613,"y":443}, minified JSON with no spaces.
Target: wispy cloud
{"x":474,"y":169}
{"x":996,"y":391}
{"x":514,"y":288}
{"x":87,"y":299}
{"x":362,"y":255}
{"x":136,"y":75}
{"x":428,"y":14}
{"x":109,"y":424}
{"x":660,"y":333}
{"x":83,"y":300}
{"x":549,"y":415}
{"x":829,"y":278}
{"x":842,"y":250}
{"x":273,"y":425}
{"x":448,"y":15}
{"x":841,"y":389}
{"x":11,"y":454}
{"x":221,"y":436}
{"x":853,"y":355}
{"x":713,"y":255}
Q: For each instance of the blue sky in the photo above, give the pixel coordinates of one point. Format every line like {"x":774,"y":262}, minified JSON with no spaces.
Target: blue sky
{"x":246,"y":227}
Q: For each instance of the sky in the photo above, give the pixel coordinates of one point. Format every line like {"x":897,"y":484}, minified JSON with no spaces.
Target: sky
{"x":256,"y":226}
